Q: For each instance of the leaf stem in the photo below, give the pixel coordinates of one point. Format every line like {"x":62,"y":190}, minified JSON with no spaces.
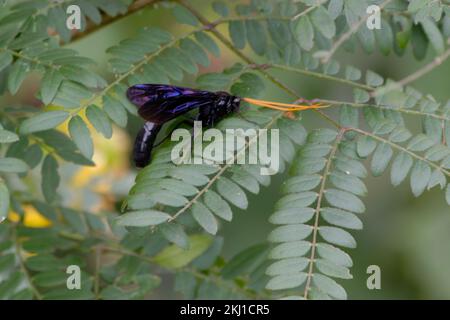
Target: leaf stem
{"x":384,"y":107}
{"x":317,"y":211}
{"x":402,"y":149}
{"x":34,"y":60}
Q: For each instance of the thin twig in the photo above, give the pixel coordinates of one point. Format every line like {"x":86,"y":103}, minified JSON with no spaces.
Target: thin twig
{"x":322,"y":76}
{"x":384,"y":107}
{"x":417,"y":74}
{"x":304,"y":12}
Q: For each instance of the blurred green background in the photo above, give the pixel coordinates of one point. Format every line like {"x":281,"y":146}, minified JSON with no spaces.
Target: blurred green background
{"x":407,"y":238}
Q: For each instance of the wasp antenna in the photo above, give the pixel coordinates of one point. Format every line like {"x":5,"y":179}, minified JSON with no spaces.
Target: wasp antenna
{"x":282,"y":106}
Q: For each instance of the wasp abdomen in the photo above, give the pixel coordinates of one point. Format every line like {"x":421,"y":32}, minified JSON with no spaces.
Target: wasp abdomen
{"x":144,"y":143}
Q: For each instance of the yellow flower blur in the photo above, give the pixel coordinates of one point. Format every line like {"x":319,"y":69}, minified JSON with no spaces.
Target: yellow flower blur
{"x":32,"y":218}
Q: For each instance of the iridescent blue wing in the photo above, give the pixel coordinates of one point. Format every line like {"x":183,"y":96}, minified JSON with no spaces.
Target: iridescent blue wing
{"x":161,"y":103}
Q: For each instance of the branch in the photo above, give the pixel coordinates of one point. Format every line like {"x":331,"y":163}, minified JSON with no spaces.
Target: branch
{"x":107,"y":20}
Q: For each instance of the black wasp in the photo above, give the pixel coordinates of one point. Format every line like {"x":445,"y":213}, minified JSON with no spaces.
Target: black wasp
{"x":160,"y":103}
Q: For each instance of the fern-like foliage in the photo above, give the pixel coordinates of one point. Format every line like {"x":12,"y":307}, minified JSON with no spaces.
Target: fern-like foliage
{"x":321,"y":199}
